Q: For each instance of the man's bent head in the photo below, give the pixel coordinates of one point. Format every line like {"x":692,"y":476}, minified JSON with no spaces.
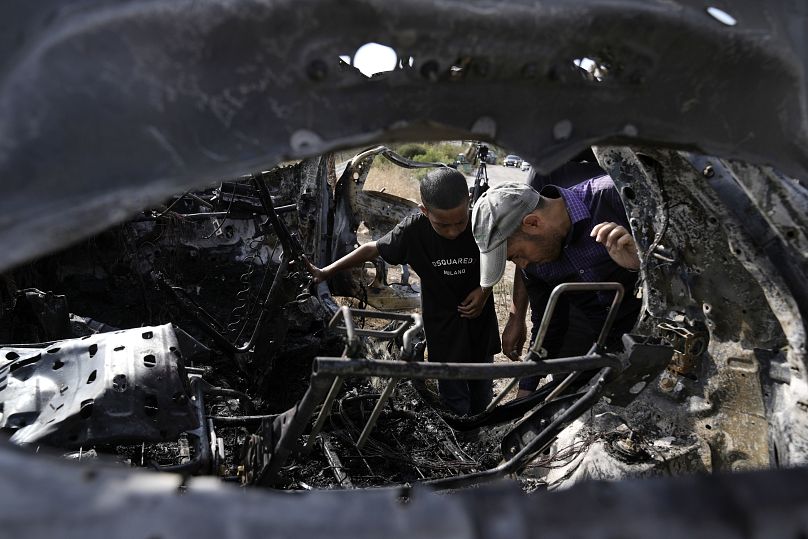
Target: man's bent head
{"x":497,"y":215}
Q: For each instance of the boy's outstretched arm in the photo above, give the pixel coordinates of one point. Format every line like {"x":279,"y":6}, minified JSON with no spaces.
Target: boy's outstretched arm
{"x":472,"y":306}
{"x":357,"y":257}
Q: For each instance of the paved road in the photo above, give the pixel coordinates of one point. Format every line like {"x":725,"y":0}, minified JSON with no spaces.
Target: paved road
{"x":498,"y":174}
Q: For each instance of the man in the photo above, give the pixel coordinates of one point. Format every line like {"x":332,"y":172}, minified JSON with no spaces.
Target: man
{"x":560,"y":235}
{"x":459,"y":317}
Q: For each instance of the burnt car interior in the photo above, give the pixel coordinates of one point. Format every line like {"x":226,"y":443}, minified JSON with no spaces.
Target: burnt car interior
{"x":170,"y":168}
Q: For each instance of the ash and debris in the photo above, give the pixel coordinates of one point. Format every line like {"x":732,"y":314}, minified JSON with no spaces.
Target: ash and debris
{"x":410,"y":443}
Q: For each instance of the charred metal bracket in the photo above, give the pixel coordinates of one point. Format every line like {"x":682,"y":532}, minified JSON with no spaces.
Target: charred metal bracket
{"x":207,"y":445}
{"x":617,"y":377}
{"x":104,"y":388}
{"x":644,"y":359}
{"x":689,"y":345}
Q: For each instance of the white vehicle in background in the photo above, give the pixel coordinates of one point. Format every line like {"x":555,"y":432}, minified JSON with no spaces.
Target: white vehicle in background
{"x":525,"y":165}
{"x":512,"y":161}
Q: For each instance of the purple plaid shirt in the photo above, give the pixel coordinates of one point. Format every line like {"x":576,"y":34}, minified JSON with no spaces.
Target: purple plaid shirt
{"x":583,"y":259}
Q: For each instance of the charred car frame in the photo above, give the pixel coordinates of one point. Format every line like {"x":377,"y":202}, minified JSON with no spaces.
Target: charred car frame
{"x":110,"y":108}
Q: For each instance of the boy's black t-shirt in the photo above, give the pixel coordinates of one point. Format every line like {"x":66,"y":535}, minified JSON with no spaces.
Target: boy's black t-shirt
{"x":449,"y":271}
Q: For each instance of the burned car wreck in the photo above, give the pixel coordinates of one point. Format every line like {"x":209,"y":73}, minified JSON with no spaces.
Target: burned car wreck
{"x":187,"y":338}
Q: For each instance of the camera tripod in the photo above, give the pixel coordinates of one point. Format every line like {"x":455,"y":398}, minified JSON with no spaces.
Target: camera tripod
{"x":480,"y":182}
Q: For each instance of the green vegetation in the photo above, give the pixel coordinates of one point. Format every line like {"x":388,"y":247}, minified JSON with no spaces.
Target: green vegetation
{"x":411,"y":150}
{"x":442,"y":152}
{"x":427,"y":152}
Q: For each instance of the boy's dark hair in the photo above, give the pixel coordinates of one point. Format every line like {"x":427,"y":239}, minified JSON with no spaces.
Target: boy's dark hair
{"x":444,"y":189}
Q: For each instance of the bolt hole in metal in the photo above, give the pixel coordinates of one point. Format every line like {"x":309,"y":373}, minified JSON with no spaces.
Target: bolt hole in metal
{"x":371,"y":59}
{"x":721,"y":16}
{"x":86,"y":410}
{"x":562,"y":130}
{"x":598,"y":70}
{"x":628,"y":192}
{"x":119,"y":383}
{"x":430,"y":70}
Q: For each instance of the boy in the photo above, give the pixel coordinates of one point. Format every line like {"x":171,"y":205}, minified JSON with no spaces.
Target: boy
{"x":459,"y":317}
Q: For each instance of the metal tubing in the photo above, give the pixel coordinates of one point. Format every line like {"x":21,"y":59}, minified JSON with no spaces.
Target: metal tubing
{"x":377,"y":410}
{"x":413,"y":323}
{"x":409,"y":337}
{"x":518,"y":461}
{"x":562,"y":386}
{"x":496,"y":400}
{"x":577,"y":287}
{"x":345,"y":314}
{"x":460,"y":371}
{"x":324,"y":412}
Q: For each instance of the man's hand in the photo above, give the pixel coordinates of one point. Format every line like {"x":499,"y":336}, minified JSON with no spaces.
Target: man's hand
{"x":513,"y":337}
{"x":317,"y":275}
{"x":618,"y":243}
{"x":472,"y":306}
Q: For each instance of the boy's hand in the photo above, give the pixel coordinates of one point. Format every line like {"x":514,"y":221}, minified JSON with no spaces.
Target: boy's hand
{"x":618,"y":243}
{"x":317,"y":275}
{"x":473,"y":305}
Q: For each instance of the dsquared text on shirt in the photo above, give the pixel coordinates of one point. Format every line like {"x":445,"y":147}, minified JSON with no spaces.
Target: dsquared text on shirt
{"x":453,"y":262}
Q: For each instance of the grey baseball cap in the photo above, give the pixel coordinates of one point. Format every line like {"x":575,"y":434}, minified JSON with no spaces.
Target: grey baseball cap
{"x":496,"y":215}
